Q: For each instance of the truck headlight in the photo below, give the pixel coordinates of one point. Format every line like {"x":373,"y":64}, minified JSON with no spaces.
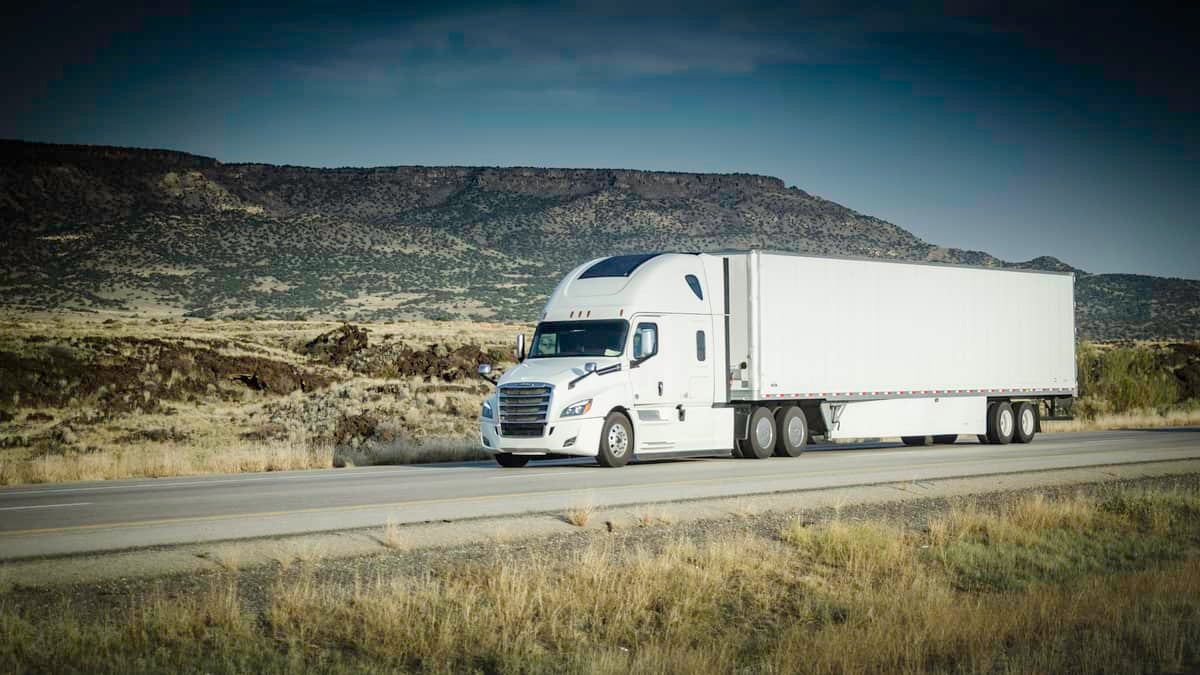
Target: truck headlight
{"x":577,"y":409}
{"x":486,"y":413}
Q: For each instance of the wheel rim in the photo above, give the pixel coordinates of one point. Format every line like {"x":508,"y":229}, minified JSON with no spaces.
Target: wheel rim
{"x":763,"y":432}
{"x":1006,"y":422}
{"x":1027,"y":422}
{"x":618,"y":440}
{"x":795,"y":431}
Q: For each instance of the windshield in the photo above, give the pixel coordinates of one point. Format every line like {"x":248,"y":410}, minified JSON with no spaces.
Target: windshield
{"x":578,"y":338}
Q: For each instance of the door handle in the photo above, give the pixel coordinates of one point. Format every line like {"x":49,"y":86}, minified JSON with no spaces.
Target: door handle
{"x":660,"y":388}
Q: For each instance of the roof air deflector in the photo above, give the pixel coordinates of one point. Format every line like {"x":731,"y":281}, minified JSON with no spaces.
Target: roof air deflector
{"x":616,"y":266}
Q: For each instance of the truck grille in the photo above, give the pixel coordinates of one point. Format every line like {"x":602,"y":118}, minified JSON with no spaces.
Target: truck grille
{"x":524,"y":408}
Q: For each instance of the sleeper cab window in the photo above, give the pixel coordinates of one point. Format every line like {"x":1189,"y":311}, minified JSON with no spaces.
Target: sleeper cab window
{"x":700,"y":345}
{"x":694,"y":284}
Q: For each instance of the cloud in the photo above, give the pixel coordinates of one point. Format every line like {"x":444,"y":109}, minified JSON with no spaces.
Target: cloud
{"x":555,"y":48}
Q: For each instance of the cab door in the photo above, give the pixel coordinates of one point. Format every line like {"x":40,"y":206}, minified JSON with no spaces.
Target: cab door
{"x":656,"y":390}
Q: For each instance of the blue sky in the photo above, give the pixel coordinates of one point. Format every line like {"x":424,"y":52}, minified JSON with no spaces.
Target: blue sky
{"x":1030,"y":132}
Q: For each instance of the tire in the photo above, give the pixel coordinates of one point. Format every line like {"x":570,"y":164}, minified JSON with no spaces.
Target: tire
{"x":761,"y":441}
{"x":1000,"y":423}
{"x":945,"y":439}
{"x":913,"y":440}
{"x":510,"y":461}
{"x":1024,"y":422}
{"x":791,"y":431}
{"x":616,"y":441}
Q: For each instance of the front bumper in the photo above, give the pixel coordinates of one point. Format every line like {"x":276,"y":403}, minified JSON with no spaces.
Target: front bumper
{"x":563,"y":437}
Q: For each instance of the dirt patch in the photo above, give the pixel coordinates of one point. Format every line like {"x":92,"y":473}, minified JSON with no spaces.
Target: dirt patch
{"x":434,"y":362}
{"x":338,"y":345}
{"x":156,"y":435}
{"x":124,"y":374}
{"x":348,"y":346}
{"x":352,"y":429}
{"x":266,"y":432}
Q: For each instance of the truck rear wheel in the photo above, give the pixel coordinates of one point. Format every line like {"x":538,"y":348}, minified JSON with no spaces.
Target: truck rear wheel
{"x":1000,"y":423}
{"x":1025,"y":426}
{"x":913,"y":440}
{"x":945,"y":439}
{"x":510,"y":461}
{"x":616,"y":441}
{"x":791,"y":431}
{"x":761,"y":441}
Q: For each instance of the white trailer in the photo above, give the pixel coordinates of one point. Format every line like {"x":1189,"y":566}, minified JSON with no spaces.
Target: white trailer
{"x":751,"y":353}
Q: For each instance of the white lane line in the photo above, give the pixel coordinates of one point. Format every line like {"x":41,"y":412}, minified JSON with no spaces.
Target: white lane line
{"x":42,"y":506}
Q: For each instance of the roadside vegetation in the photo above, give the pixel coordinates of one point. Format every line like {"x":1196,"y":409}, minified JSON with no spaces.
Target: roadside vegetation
{"x":88,"y":398}
{"x":1106,"y":580}
{"x":1124,"y":386}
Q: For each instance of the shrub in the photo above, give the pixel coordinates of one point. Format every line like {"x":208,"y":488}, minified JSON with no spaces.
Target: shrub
{"x":1121,"y":379}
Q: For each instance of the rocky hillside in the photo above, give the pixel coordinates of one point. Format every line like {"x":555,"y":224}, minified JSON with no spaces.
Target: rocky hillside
{"x":161,"y":232}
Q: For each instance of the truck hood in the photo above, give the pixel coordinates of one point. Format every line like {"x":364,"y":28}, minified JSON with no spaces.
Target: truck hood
{"x":556,"y":371}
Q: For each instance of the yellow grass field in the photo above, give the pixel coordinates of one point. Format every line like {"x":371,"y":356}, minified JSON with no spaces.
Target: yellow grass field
{"x":99,"y":403}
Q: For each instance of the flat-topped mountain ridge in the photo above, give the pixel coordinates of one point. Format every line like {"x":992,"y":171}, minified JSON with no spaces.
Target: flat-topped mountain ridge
{"x":159,"y":231}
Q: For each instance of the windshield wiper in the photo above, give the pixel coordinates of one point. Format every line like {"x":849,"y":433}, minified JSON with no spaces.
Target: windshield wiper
{"x":602,"y":371}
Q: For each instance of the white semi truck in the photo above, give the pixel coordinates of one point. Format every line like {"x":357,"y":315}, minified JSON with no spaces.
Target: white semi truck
{"x":751,"y":353}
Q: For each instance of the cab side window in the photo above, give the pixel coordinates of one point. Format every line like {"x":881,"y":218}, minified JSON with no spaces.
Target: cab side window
{"x":694,"y":284}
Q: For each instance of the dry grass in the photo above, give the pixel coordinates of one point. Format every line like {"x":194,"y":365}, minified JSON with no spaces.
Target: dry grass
{"x":653,"y":515}
{"x":391,"y":535}
{"x":743,"y":508}
{"x":835,"y":598}
{"x":580,"y":514}
{"x":1137,"y":419}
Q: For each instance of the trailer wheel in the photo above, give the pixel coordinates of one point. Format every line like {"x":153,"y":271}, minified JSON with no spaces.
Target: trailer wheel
{"x":1025,"y":426}
{"x":913,"y":440}
{"x":791,"y":431}
{"x":761,"y":441}
{"x":1000,"y":423}
{"x":616,"y":441}
{"x":945,"y":439}
{"x":511,"y":461}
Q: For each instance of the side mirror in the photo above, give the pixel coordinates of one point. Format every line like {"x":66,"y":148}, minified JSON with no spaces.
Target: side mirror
{"x":485,"y":371}
{"x":646,"y":347}
{"x":589,"y":366}
{"x":520,"y":348}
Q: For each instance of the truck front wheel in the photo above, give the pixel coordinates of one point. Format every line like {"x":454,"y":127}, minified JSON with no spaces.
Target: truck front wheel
{"x":616,"y":441}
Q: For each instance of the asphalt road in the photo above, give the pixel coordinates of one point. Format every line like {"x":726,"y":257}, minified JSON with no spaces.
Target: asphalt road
{"x":97,"y":516}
